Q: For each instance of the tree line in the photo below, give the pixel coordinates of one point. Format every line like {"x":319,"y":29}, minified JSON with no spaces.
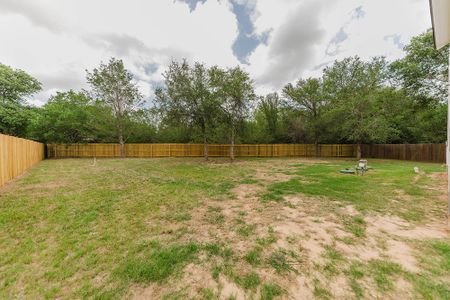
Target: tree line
{"x":353,"y":101}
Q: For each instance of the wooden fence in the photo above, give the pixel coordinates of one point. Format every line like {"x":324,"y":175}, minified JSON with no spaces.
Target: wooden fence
{"x":18,"y":155}
{"x":415,"y":152}
{"x":196,"y":150}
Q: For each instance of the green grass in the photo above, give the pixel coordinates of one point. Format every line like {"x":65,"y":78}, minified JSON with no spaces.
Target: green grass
{"x":443,"y":250}
{"x":254,"y":256}
{"x":356,"y":273}
{"x":267,"y":240}
{"x":333,"y":259}
{"x":67,"y":222}
{"x":356,"y":225}
{"x":283,"y":261}
{"x":245,"y":230}
{"x":270,"y":291}
{"x":433,"y":282}
{"x":216,"y":218}
{"x":71,"y":230}
{"x":366,"y":193}
{"x":249,"y":281}
{"x":321,"y":292}
{"x":158,"y":263}
{"x":384,"y":272}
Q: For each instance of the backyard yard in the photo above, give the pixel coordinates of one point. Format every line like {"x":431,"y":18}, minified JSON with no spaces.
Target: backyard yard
{"x":181,"y":228}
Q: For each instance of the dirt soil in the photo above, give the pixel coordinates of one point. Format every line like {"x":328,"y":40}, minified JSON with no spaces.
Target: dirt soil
{"x":301,"y":225}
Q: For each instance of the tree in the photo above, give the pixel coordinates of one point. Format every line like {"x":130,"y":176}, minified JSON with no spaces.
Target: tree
{"x":142,"y":126}
{"x":351,"y":85}
{"x":188,"y":96}
{"x":15,"y":118}
{"x":67,"y":117}
{"x":72,"y":117}
{"x":15,"y":86}
{"x":423,"y":72}
{"x":308,"y":96}
{"x":269,"y":107}
{"x":113,"y":84}
{"x":235,"y":89}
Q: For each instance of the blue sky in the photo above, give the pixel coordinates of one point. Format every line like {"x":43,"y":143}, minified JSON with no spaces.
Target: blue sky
{"x":275,"y":41}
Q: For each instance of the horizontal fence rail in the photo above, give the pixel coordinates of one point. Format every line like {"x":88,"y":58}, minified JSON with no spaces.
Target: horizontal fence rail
{"x":415,"y":152}
{"x":18,"y":155}
{"x":197,"y":150}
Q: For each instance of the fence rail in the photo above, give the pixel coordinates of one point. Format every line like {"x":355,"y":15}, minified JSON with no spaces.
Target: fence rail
{"x":416,"y":152}
{"x":196,"y":150}
{"x":18,"y":155}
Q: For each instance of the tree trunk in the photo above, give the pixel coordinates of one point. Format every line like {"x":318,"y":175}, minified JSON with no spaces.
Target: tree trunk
{"x":316,"y":148}
{"x":205,"y":147}
{"x":358,"y":151}
{"x":232,"y":145}
{"x":122,"y":146}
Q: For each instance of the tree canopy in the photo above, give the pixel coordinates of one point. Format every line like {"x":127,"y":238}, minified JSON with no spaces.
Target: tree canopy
{"x":113,"y":85}
{"x":353,"y":101}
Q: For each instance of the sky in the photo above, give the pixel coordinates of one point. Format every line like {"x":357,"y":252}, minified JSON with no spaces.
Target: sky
{"x":276,"y":41}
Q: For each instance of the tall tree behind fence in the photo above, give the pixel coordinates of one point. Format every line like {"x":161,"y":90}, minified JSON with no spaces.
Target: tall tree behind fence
{"x":18,"y":155}
{"x":414,"y":152}
{"x":196,"y":150}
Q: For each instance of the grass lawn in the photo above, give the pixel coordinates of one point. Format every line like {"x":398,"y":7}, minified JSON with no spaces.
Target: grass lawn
{"x":255,"y":229}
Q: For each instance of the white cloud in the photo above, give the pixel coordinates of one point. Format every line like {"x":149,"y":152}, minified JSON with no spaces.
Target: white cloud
{"x":58,"y":50}
{"x":366,"y":35}
{"x":56,"y":41}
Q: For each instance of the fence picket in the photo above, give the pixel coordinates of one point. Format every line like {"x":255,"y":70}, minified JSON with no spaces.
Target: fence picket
{"x":18,"y":155}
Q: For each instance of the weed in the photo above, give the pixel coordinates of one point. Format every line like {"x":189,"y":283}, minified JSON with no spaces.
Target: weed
{"x":249,"y":281}
{"x":214,"y":209}
{"x":383,"y":273}
{"x":283,"y":261}
{"x":178,"y":217}
{"x":246,"y":229}
{"x":270,"y":291}
{"x":267,"y":240}
{"x":355,"y":225}
{"x":215,"y":272}
{"x":355,"y":273}
{"x":213,"y":249}
{"x":216,"y":218}
{"x":319,"y":291}
{"x":332,"y":253}
{"x":249,"y":181}
{"x":253,"y":257}
{"x":208,"y":294}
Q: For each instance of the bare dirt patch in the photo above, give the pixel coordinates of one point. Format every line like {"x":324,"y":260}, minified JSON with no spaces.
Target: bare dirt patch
{"x":313,"y":228}
{"x":395,"y":226}
{"x":272,"y":176}
{"x":402,"y":253}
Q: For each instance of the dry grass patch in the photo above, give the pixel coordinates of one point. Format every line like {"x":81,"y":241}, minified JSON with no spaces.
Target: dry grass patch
{"x":253,"y":229}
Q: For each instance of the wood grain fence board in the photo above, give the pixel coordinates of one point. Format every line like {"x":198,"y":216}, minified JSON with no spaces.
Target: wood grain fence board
{"x":414,"y":152}
{"x":18,"y":155}
{"x":197,"y":150}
